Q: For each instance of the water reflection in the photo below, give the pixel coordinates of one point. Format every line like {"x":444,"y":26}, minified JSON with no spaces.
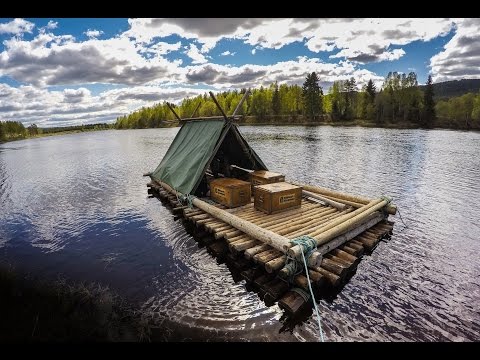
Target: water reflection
{"x":78,"y":204}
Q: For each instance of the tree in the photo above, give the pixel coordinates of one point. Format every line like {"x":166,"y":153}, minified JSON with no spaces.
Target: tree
{"x":429,"y":115}
{"x":312,"y":96}
{"x":276,"y":103}
{"x":33,"y":130}
{"x":371,"y":91}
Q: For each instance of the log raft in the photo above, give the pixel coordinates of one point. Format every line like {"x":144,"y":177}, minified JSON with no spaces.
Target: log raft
{"x":345,"y":228}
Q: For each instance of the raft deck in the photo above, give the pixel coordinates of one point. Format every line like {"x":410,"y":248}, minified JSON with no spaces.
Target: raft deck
{"x":260,"y":264}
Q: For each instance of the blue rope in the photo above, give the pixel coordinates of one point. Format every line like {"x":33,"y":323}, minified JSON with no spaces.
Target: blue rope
{"x":186,"y":199}
{"x":308,"y":246}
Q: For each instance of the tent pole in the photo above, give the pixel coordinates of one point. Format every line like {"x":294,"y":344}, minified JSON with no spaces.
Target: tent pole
{"x":173,"y":111}
{"x":241,"y":102}
{"x":218,"y":105}
{"x":195,"y":111}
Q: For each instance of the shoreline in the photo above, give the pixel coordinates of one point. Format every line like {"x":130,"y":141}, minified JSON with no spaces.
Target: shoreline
{"x":352,"y":123}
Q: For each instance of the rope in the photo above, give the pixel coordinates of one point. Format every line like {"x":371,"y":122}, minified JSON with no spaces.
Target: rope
{"x":386,"y":198}
{"x":186,"y":199}
{"x":308,"y":245}
{"x":301,"y":292}
{"x":403,"y":222}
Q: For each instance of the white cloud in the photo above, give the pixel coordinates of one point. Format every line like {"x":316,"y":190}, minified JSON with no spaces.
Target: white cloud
{"x":291,"y":72}
{"x":17,"y":27}
{"x":52,"y":25}
{"x":460,"y":57}
{"x":60,"y":60}
{"x":254,"y":51}
{"x":195,"y":55}
{"x":361,"y":40}
{"x":93,"y":33}
{"x":227,"y":53}
{"x":75,"y":106}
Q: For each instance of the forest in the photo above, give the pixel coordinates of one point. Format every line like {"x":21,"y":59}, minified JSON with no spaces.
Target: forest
{"x":400,"y":101}
{"x":15,"y":130}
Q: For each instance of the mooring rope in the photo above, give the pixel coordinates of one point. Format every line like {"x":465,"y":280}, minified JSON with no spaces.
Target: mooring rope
{"x":400,"y":215}
{"x":308,"y":245}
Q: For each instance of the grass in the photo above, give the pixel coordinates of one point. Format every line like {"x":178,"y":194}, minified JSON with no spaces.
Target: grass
{"x":36,"y":310}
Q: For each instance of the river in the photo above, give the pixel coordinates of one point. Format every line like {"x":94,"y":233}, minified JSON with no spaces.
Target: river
{"x":77,"y":205}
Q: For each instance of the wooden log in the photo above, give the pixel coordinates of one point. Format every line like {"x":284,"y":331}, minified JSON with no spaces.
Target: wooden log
{"x":391,"y":209}
{"x":275,"y":264}
{"x":309,"y":229}
{"x":244,"y":245}
{"x":316,"y":279}
{"x":334,"y":267}
{"x":345,"y":255}
{"x":275,"y":289}
{"x":303,"y":222}
{"x":368,"y":222}
{"x":306,"y":228}
{"x":347,"y":263}
{"x":331,"y":278}
{"x":262,"y":279}
{"x":368,"y":243}
{"x":178,"y":210}
{"x":249,"y":274}
{"x":348,"y":250}
{"x":341,"y":225}
{"x":250,"y":253}
{"x":301,"y":281}
{"x":240,"y":238}
{"x":218,"y":248}
{"x":266,"y":256}
{"x":327,"y":201}
{"x":343,"y":201}
{"x":292,"y":302}
{"x":232,"y":234}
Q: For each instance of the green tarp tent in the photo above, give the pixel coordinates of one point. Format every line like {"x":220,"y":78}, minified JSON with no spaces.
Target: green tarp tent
{"x":201,"y":145}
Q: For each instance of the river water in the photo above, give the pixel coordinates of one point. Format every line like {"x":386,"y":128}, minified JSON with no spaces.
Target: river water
{"x":77,"y":205}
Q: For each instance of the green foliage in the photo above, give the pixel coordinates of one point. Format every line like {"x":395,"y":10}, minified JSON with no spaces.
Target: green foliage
{"x":12,"y":130}
{"x":400,"y":100}
{"x":428,"y":104}
{"x":312,"y":96}
{"x":460,"y":112}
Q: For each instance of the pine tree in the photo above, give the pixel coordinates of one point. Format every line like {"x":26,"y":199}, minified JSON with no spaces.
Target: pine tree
{"x":276,"y":105}
{"x":371,"y":90}
{"x":312,"y":96}
{"x":428,"y":104}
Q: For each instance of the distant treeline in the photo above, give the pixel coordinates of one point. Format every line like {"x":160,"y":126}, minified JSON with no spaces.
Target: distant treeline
{"x":13,"y":130}
{"x":400,"y":100}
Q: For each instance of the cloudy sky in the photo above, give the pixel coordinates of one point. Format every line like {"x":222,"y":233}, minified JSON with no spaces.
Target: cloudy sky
{"x":74,"y":71}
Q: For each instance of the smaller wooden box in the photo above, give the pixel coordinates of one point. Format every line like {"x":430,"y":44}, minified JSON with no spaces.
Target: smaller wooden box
{"x":262,"y":177}
{"x":230,"y":192}
{"x":277,"y":197}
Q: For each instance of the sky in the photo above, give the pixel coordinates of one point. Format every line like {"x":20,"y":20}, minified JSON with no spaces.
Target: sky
{"x":60,"y":72}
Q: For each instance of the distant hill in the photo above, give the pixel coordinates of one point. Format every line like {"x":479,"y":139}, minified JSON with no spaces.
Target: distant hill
{"x":453,"y":88}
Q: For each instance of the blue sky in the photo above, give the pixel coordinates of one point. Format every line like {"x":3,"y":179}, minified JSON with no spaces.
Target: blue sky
{"x":71,"y":71}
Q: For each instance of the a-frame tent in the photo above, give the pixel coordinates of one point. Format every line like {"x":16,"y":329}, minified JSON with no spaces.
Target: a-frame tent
{"x":197,"y":145}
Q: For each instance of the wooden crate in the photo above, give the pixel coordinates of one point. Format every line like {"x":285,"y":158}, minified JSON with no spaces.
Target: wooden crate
{"x":230,"y":192}
{"x":262,"y":177}
{"x":277,"y":197}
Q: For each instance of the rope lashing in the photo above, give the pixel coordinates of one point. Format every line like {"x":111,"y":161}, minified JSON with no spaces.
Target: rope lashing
{"x":301,"y":292}
{"x":187,"y":199}
{"x":307,"y":243}
{"x":386,"y":198}
{"x":293,"y":267}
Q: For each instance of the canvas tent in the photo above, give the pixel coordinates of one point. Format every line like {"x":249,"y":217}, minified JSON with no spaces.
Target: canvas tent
{"x":211,"y":144}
